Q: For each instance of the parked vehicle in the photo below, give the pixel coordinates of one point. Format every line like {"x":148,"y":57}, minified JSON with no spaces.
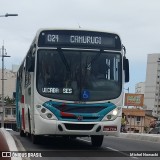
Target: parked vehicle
{"x":155,"y":130}
{"x":8,"y":129}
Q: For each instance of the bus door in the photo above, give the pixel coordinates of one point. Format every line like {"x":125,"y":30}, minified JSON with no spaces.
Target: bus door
{"x":29,"y":89}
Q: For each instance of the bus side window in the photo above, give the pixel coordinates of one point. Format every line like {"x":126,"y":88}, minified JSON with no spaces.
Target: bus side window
{"x":30,"y":63}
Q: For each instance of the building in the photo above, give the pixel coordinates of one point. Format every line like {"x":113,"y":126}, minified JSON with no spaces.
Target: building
{"x":140,"y":88}
{"x":9,"y":89}
{"x":139,"y":120}
{"x":9,"y":82}
{"x":136,"y":120}
{"x":152,"y":84}
{"x":9,"y":116}
{"x":149,"y":120}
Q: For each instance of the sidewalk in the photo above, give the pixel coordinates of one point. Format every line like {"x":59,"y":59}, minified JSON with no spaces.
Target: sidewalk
{"x":142,"y":136}
{"x":3,"y":146}
{"x":7,"y":144}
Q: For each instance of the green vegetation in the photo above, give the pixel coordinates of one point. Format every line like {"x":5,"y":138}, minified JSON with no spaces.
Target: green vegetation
{"x":9,"y":100}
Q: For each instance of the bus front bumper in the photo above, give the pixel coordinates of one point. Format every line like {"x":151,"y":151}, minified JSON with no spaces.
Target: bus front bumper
{"x":54,"y":127}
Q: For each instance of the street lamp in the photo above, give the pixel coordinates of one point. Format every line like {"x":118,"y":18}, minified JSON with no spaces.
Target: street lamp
{"x":8,"y":15}
{"x":3,"y":56}
{"x":127,"y":89}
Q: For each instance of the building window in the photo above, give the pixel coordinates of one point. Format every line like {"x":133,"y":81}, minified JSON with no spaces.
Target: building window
{"x":138,"y":118}
{"x":8,"y":111}
{"x":13,"y":111}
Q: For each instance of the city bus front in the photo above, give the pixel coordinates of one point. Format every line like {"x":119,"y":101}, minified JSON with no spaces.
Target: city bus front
{"x":79,"y":85}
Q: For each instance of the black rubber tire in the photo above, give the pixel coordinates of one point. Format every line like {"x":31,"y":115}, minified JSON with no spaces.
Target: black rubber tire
{"x":35,"y":139}
{"x":29,"y":123}
{"x":97,"y":140}
{"x":22,"y":134}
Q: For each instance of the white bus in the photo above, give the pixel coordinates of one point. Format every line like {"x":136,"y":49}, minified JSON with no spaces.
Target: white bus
{"x":71,"y":84}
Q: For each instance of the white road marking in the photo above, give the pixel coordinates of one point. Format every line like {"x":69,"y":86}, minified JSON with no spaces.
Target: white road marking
{"x":134,"y":157}
{"x":112,"y":149}
{"x":84,"y":140}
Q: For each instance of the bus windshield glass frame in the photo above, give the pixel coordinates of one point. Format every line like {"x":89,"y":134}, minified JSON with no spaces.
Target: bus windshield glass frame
{"x":79,"y":75}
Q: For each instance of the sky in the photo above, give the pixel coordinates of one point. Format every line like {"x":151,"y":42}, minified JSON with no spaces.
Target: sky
{"x":136,"y":21}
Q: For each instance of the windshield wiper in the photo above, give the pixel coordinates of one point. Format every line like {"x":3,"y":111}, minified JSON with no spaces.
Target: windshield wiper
{"x":63,"y":58}
{"x":94,"y":59}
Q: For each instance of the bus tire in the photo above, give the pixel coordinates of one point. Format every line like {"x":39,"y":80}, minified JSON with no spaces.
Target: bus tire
{"x":35,"y":139}
{"x":29,"y":123}
{"x":97,"y":140}
{"x":73,"y":137}
{"x":22,"y":134}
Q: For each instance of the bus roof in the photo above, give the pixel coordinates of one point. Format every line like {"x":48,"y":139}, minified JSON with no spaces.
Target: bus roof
{"x":75,"y":29}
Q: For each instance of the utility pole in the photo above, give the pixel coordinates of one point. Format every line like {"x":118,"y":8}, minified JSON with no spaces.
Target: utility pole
{"x":3,"y":109}
{"x":3,"y":55}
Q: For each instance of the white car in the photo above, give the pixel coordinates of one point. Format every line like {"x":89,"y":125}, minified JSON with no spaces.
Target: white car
{"x":8,"y":129}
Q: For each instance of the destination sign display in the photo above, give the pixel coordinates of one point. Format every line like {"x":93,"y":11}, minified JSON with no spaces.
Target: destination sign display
{"x":83,"y":39}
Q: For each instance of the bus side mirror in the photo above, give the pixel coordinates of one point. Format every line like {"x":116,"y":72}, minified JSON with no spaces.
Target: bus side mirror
{"x":126,"y":69}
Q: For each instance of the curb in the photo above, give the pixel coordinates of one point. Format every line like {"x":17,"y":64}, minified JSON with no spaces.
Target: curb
{"x":143,"y":137}
{"x":11,"y":143}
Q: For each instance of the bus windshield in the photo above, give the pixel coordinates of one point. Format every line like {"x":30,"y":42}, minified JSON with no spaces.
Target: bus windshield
{"x":79,"y":75}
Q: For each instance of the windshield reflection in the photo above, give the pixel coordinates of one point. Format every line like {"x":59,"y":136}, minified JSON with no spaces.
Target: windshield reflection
{"x":79,"y":75}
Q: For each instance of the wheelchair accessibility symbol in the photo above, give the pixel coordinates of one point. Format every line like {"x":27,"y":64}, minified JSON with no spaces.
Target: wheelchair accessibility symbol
{"x":85,"y":94}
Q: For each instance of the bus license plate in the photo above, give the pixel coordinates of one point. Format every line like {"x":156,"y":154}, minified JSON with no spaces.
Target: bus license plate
{"x":110,"y":128}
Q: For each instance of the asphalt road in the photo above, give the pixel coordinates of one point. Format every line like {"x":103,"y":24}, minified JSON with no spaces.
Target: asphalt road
{"x":81,"y":149}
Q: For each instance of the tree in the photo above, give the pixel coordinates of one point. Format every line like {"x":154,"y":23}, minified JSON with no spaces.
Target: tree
{"x":9,"y":100}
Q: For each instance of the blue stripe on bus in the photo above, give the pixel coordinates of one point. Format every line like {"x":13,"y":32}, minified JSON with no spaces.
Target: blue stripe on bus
{"x":86,"y":117}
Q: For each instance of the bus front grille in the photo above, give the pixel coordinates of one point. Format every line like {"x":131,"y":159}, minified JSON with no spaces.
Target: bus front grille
{"x":78,"y":126}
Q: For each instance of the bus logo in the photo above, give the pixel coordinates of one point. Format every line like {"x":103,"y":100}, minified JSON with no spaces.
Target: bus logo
{"x":79,"y":118}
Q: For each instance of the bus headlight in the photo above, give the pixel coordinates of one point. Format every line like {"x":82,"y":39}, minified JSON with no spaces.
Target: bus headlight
{"x":43,"y":110}
{"x":115,"y":112}
{"x":112,"y":114}
{"x":49,"y":115}
{"x":45,"y":113}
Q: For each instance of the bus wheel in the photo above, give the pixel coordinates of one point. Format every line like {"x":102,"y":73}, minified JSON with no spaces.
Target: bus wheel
{"x":35,"y":139}
{"x":29,"y":123}
{"x":97,"y":140}
{"x":22,"y":134}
